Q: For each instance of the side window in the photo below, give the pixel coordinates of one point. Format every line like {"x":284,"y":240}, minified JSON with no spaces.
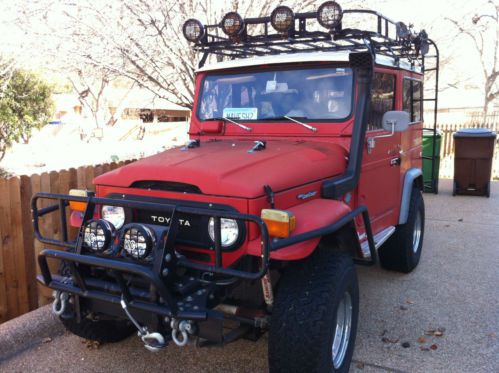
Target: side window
{"x":413,"y":99}
{"x":382,"y":99}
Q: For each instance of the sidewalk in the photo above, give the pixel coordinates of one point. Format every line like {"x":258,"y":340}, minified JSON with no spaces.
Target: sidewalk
{"x":454,"y":292}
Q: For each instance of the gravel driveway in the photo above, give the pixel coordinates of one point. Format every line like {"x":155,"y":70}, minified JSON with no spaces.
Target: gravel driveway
{"x":443,"y":317}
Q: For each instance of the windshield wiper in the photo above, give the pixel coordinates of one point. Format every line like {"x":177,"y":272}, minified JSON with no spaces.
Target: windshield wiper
{"x":249,"y":129}
{"x":308,"y":126}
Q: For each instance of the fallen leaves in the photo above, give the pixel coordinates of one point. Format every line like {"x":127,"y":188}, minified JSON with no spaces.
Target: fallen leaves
{"x":91,"y":345}
{"x":388,"y":340}
{"x":46,"y":340}
{"x":439,"y":332}
{"x":421,"y":340}
{"x":360,"y":365}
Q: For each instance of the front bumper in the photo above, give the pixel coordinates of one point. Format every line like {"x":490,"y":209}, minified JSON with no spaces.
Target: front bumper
{"x":163,"y":295}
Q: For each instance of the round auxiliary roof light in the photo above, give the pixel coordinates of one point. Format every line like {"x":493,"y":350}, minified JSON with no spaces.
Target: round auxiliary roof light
{"x":232,"y":24}
{"x":193,"y":30}
{"x":329,"y":14}
{"x":282,"y":19}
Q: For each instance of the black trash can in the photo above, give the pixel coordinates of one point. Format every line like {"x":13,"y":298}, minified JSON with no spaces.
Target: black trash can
{"x":473,"y":150}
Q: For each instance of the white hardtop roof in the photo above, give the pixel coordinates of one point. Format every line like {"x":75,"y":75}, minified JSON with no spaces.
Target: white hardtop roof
{"x":339,"y":56}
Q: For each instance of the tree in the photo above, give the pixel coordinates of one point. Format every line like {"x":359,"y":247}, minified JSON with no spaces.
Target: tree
{"x":26,"y":104}
{"x":140,"y":40}
{"x":482,"y":30}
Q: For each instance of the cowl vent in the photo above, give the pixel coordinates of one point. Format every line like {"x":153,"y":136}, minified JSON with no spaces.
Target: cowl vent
{"x":168,"y":186}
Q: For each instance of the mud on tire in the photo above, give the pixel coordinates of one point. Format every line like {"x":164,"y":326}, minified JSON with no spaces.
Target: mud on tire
{"x":305,"y":311}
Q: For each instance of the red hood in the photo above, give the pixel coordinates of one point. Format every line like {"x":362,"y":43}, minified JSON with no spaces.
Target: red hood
{"x":226,"y":168}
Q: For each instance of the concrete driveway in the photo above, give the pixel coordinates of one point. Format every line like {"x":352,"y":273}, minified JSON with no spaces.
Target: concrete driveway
{"x":445,"y":313}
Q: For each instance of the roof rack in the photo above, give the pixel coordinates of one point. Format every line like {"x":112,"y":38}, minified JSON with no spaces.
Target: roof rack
{"x":285,"y":32}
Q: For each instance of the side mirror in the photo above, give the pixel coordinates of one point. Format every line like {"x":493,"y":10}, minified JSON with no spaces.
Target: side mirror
{"x":396,"y":121}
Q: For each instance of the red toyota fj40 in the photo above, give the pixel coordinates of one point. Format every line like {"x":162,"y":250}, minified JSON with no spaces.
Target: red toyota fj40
{"x":305,"y":158}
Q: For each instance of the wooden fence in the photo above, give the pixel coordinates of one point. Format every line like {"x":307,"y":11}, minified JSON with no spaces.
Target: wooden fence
{"x":19,"y":292}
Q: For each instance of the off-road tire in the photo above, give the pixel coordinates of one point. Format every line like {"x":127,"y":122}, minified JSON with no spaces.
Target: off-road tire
{"x":102,"y":331}
{"x":397,"y":253}
{"x":304,"y":314}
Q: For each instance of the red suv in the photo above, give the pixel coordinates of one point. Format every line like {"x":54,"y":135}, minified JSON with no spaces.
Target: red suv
{"x":304,"y":159}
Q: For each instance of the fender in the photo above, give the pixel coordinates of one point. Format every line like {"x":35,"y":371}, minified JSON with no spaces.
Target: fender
{"x":411,"y":176}
{"x":311,"y":215}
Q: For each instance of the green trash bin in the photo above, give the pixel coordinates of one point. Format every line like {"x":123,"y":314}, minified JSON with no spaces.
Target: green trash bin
{"x":430,"y":183}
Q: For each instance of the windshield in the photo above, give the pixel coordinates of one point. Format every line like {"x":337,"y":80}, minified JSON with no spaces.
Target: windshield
{"x":314,"y":94}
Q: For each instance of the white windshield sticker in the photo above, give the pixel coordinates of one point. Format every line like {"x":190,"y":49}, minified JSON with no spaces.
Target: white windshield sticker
{"x":243,"y":113}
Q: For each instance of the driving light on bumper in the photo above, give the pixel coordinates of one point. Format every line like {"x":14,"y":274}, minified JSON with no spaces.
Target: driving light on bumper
{"x":137,"y":240}
{"x":229,"y":231}
{"x":279,"y":223}
{"x":114,"y":214}
{"x":97,"y":235}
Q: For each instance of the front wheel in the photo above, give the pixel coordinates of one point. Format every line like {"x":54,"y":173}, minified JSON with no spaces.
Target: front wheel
{"x":314,"y":320}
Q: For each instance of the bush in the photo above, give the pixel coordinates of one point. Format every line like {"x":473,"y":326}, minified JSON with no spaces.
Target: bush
{"x":25,"y":104}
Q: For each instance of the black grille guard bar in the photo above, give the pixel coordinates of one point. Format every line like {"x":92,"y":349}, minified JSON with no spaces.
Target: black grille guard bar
{"x":63,"y":202}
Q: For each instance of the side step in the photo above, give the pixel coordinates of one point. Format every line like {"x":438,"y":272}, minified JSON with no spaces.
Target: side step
{"x":379,"y":239}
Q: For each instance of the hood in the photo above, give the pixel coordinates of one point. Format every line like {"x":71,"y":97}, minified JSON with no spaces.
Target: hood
{"x":226,"y":168}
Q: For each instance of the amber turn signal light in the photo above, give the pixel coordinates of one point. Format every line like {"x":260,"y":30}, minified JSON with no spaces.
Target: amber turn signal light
{"x":280,"y":223}
{"x":78,"y":206}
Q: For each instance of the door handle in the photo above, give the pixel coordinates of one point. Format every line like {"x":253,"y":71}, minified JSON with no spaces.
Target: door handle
{"x":395,"y":161}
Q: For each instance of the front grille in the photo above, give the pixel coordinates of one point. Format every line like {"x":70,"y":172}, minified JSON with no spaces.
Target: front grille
{"x":193,"y":229}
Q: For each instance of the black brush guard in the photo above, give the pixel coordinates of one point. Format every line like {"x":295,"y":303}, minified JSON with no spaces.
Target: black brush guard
{"x":155,"y":275}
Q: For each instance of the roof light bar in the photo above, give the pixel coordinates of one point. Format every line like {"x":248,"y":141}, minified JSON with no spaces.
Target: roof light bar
{"x":282,"y":19}
{"x":232,"y":24}
{"x":329,"y":15}
{"x":193,"y":30}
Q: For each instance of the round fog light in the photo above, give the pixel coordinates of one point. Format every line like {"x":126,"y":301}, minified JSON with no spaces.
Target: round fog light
{"x":97,"y":235}
{"x":137,"y":241}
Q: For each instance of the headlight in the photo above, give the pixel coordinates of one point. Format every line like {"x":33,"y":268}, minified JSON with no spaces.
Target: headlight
{"x":97,"y":235}
{"x":229,"y":231}
{"x":114,"y":214}
{"x":138,"y":240}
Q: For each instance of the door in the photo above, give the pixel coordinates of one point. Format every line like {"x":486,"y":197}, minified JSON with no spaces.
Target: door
{"x":379,"y":185}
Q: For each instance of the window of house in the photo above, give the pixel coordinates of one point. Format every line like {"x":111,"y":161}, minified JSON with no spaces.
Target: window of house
{"x":413,"y":99}
{"x":382,"y":99}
